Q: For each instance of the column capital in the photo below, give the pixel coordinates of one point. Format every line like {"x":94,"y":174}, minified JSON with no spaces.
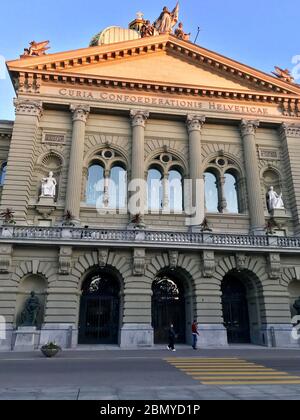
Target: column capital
{"x":139,"y":118}
{"x":80,"y":112}
{"x":28,"y":107}
{"x":195,"y":122}
{"x":290,"y":130}
{"x":248,"y":127}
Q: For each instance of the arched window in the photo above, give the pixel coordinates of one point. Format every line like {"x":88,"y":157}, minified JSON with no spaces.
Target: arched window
{"x":3,"y":173}
{"x":211,"y":193}
{"x":117,"y":191}
{"x":230,"y":192}
{"x":95,"y":184}
{"x":155,"y":191}
{"x":175,"y":193}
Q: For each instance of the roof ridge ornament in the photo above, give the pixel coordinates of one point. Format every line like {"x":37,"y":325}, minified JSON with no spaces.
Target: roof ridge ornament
{"x":284,"y":75}
{"x":36,"y":49}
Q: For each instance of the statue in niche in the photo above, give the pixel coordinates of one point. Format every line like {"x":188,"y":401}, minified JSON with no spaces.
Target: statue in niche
{"x":274,"y":200}
{"x":167,"y":20}
{"x":179,"y":32}
{"x":49,"y":185}
{"x":31,"y":311}
{"x":297,"y":306}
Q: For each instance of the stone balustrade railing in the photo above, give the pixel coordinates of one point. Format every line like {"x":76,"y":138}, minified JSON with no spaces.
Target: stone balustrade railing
{"x":16,"y":234}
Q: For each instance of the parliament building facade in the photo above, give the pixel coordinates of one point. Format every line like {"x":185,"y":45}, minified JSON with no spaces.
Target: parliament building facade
{"x":188,"y":122}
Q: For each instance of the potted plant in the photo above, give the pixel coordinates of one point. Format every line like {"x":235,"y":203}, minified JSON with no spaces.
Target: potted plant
{"x":8,"y":222}
{"x":50,"y":349}
{"x":138,"y":222}
{"x":8,"y":217}
{"x":68,"y":219}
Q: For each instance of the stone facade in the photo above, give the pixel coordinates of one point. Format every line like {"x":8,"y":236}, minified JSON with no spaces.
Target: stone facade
{"x":224,"y":117}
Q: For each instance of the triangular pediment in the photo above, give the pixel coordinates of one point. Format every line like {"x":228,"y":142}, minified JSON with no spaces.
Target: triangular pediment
{"x":161,"y":59}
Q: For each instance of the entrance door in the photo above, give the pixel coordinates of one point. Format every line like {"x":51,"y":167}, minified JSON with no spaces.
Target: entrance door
{"x":99,"y":311}
{"x":235,"y":310}
{"x":168,"y":307}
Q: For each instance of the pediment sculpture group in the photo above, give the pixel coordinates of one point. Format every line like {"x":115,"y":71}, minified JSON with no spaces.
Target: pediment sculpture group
{"x":165,"y":25}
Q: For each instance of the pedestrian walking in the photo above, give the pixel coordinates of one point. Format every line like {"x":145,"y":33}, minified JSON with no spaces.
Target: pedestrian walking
{"x":172,"y":337}
{"x":195,"y":334}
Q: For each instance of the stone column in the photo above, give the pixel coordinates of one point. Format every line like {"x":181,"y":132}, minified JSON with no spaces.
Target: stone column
{"x":73,"y":198}
{"x":16,"y":190}
{"x":255,"y":203}
{"x":290,"y":136}
{"x":138,"y":121}
{"x":194,"y":126}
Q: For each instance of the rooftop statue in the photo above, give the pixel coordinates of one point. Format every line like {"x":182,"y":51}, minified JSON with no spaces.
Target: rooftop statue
{"x":167,"y":20}
{"x":148,"y":29}
{"x":179,"y":32}
{"x":284,"y":75}
{"x":36,"y":49}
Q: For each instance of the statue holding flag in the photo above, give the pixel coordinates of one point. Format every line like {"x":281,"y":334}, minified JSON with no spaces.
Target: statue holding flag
{"x":167,"y":20}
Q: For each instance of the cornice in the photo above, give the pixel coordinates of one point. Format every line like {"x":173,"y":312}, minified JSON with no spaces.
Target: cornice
{"x":61,"y":62}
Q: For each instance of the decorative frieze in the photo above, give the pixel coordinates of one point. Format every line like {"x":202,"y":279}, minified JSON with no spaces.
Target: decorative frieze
{"x":195,"y":122}
{"x":274,"y":266}
{"x":208,"y":264}
{"x":65,"y":260}
{"x":139,"y":118}
{"x":139,"y":262}
{"x":28,"y":107}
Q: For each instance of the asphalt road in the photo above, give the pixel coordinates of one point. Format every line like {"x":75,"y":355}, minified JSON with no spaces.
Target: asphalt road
{"x":142,"y":374}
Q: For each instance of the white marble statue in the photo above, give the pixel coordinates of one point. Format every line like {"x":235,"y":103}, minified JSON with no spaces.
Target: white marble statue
{"x":49,"y":186}
{"x":274,"y":200}
{"x":167,"y":20}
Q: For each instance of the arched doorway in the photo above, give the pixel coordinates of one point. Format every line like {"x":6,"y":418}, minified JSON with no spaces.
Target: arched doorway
{"x":235,"y":309}
{"x":100,"y":308}
{"x":169,"y":306}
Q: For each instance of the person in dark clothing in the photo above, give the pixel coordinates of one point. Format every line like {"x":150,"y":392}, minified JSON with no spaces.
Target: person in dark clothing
{"x":172,"y":337}
{"x":195,"y":333}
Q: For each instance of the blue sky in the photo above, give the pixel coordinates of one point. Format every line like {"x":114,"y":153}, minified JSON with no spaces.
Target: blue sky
{"x":260,"y":33}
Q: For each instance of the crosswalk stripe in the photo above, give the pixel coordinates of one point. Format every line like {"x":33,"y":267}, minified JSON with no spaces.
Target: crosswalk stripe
{"x":229,"y":371}
{"x":249,"y":382}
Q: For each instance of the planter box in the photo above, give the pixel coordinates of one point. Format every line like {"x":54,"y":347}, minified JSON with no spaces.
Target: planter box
{"x":49,"y":352}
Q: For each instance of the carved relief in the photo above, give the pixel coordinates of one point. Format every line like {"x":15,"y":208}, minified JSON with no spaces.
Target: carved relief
{"x":80,"y":112}
{"x":173,"y":258}
{"x":195,"y":122}
{"x":274,"y":266}
{"x":290,"y":130}
{"x":248,"y":127}
{"x":241,"y":261}
{"x":102,"y":257}
{"x":65,"y":260}
{"x":208,"y":263}
{"x":139,"y":261}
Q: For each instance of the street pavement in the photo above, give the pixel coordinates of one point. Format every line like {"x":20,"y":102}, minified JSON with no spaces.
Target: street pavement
{"x":249,"y":373}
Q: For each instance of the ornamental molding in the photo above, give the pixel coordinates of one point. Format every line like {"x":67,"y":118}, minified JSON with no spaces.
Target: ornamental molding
{"x":28,"y":107}
{"x":274,"y":266}
{"x":290,"y":130}
{"x":139,"y":118}
{"x":65,"y":260}
{"x":208,"y":264}
{"x":80,"y":112}
{"x":248,"y":127}
{"x":195,"y":122}
{"x":139,"y":262}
